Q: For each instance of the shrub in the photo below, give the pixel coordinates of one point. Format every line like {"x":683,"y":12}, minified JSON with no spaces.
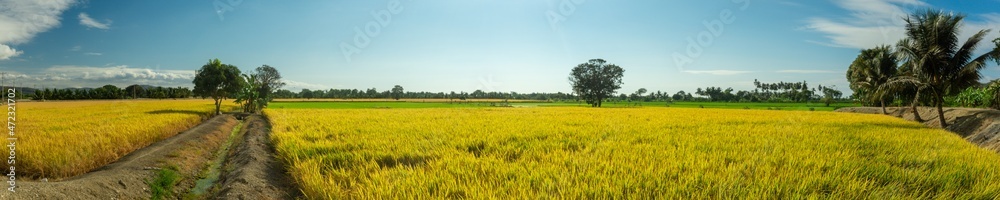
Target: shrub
{"x":163,"y":186}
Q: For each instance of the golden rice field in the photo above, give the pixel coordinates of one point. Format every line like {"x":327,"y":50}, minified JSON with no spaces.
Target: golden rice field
{"x":429,"y":100}
{"x":63,"y":139}
{"x":639,"y":153}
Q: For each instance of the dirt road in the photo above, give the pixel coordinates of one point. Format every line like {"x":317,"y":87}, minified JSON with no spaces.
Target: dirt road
{"x":251,"y":172}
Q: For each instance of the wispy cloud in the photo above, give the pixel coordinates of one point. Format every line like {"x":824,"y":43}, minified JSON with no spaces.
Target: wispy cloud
{"x":90,"y":22}
{"x":87,"y":76}
{"x":297,"y":85}
{"x":805,"y":71}
{"x":717,"y":72}
{"x":93,"y":54}
{"x":76,"y":48}
{"x":68,"y":76}
{"x":877,"y":22}
{"x":21,"y":20}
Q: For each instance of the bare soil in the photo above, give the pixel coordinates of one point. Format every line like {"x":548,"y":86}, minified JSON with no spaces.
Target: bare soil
{"x":125,"y":178}
{"x":978,"y":126}
{"x":251,"y":170}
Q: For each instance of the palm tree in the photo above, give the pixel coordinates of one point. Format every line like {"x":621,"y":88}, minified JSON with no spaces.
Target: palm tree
{"x":911,"y":86}
{"x":939,"y":64}
{"x":995,"y":84}
{"x":249,"y":94}
{"x":871,"y":70}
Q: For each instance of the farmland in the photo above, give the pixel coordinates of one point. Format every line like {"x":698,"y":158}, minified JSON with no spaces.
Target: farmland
{"x":650,"y":152}
{"x":465,"y":104}
{"x":64,"y":139}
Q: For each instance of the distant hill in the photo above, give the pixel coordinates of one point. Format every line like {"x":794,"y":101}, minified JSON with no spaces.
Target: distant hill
{"x":23,"y":90}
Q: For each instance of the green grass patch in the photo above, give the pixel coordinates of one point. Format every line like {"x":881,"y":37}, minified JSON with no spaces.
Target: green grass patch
{"x":163,"y":185}
{"x":375,"y":105}
{"x":722,"y":105}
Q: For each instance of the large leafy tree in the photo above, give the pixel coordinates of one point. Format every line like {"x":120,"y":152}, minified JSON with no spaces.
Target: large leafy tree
{"x":268,"y":81}
{"x":938,"y":62}
{"x":596,"y":80}
{"x":870,"y":70}
{"x":135,"y":91}
{"x":306,"y":93}
{"x":397,"y":92}
{"x":218,"y":81}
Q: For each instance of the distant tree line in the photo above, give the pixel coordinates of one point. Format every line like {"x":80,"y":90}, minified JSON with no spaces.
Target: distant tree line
{"x":373,"y":93}
{"x":772,"y":92}
{"x":111,"y":92}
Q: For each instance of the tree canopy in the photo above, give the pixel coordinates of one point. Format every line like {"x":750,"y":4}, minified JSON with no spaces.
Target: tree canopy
{"x":218,"y":81}
{"x":269,"y":81}
{"x":869,"y":71}
{"x":935,"y":58}
{"x":596,"y":80}
{"x":397,"y":92}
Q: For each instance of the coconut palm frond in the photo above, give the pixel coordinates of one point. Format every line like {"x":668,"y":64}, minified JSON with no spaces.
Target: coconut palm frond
{"x":964,"y":53}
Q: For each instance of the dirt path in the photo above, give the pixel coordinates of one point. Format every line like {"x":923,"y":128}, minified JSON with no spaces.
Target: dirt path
{"x":125,"y":178}
{"x":252,"y":171}
{"x":978,"y":126}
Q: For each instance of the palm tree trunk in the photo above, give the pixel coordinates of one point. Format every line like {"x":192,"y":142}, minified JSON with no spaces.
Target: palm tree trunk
{"x":913,"y":107}
{"x":883,"y":107}
{"x":939,"y":103}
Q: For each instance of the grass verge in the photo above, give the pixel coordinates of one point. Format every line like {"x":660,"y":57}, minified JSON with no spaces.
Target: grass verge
{"x":162,"y":186}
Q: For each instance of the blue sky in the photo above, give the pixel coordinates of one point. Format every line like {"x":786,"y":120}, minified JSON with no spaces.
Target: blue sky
{"x":455,"y":45}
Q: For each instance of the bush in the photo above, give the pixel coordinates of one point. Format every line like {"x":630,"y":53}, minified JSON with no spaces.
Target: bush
{"x":163,"y":186}
{"x":994,"y":89}
{"x":971,"y":97}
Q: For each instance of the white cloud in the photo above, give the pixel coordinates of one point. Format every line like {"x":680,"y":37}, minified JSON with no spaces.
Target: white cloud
{"x":93,"y":54}
{"x":76,"y":48}
{"x":717,"y":72}
{"x":86,"y":76}
{"x":877,"y":22}
{"x":90,"y":22}
{"x":119,"y":72}
{"x":6,"y":52}
{"x":296,"y":85}
{"x":805,"y":71}
{"x":21,"y":20}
